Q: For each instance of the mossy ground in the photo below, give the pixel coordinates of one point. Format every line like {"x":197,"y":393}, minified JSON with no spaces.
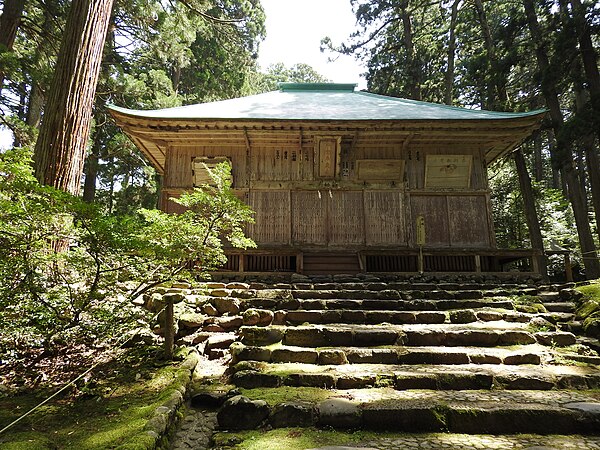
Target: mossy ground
{"x":291,"y":439}
{"x":109,"y":411}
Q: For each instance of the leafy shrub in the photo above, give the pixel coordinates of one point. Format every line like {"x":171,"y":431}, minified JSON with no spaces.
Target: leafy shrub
{"x":69,"y":272}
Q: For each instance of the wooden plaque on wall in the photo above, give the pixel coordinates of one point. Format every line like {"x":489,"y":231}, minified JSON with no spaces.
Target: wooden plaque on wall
{"x":380,"y":169}
{"x":448,"y":171}
{"x":328,"y":149}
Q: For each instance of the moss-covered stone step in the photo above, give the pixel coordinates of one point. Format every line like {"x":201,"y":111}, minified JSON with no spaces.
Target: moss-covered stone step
{"x":527,"y":354}
{"x":444,"y":335}
{"x":254,"y":374}
{"x":404,"y":305}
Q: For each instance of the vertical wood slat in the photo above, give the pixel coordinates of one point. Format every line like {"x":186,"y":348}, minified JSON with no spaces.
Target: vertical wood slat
{"x":272,"y":218}
{"x":384,"y":218}
{"x":346,"y":217}
{"x":309,"y":213}
{"x":468,"y":224}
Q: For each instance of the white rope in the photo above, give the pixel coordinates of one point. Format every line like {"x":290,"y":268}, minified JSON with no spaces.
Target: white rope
{"x":71,"y":383}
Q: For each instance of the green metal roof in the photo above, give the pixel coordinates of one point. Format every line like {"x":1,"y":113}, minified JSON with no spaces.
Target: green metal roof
{"x":321,"y":101}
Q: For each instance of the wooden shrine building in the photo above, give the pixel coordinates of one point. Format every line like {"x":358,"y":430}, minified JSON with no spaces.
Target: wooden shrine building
{"x":343,"y":181}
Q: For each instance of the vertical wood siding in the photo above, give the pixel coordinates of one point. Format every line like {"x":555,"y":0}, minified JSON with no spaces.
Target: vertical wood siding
{"x":309,"y":217}
{"x":346,"y":217}
{"x":385,"y":218}
{"x":272,"y":219}
{"x":468,"y":225}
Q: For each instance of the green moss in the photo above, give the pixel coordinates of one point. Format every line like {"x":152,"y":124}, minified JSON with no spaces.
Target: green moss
{"x":274,"y":396}
{"x":114,"y":420}
{"x":526,"y":299}
{"x":291,"y":439}
{"x":590,"y":291}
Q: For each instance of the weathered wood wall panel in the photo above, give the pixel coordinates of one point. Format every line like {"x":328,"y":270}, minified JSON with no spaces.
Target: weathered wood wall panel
{"x":434,"y":209}
{"x":346,"y":217}
{"x":384,"y":218}
{"x":467,"y":221}
{"x":272,"y":218}
{"x":309,"y":217}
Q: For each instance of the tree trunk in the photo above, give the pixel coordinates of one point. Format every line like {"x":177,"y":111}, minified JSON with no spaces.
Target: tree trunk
{"x":35,"y":106}
{"x":60,"y":149}
{"x":533,"y":223}
{"x":576,"y":196}
{"x":538,"y":159}
{"x":589,"y":58}
{"x":414,"y":84}
{"x":9,"y":24}
{"x":91,"y":174}
{"x":449,"y":75}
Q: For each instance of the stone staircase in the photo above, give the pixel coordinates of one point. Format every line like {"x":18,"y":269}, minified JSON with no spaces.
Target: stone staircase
{"x":409,"y":356}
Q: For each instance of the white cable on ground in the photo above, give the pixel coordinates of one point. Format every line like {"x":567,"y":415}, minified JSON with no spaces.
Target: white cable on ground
{"x":10,"y":425}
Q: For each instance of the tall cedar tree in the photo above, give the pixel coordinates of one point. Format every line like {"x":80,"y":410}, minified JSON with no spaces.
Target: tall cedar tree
{"x":60,"y":148}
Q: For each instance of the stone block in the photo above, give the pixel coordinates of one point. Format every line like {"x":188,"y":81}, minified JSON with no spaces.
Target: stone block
{"x":430,"y":317}
{"x":300,"y":316}
{"x":332,"y":357}
{"x":258,"y":317}
{"x":463,"y":316}
{"x":261,"y":335}
{"x":485,"y":359}
{"x":249,"y":379}
{"x":355,"y":317}
{"x":209,"y":310}
{"x":515,"y":337}
{"x":305,"y":337}
{"x":414,"y":418}
{"x":356,"y":381}
{"x":226,"y":305}
{"x":339,"y":413}
{"x":558,"y":338}
{"x":374,"y":337}
{"x":294,"y":355}
{"x":489,"y":316}
{"x":293,"y":414}
{"x":241,"y":413}
{"x":337,"y":337}
{"x":404,"y":381}
{"x":240,"y":352}
{"x":229,"y":323}
{"x":320,"y":380}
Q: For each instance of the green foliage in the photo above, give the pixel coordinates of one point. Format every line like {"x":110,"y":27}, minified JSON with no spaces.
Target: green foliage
{"x":84,"y":291}
{"x":278,"y":73}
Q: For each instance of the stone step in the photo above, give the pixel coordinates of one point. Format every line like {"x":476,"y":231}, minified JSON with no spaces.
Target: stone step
{"x":472,"y":412}
{"x":361,"y":316}
{"x":444,"y":335}
{"x":527,"y":354}
{"x":408,"y":377}
{"x":393,"y":305}
{"x":386,"y":294}
{"x":563,"y":307}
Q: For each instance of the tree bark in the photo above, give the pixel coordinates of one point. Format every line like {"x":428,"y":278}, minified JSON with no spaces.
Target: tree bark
{"x":538,"y":159}
{"x":60,"y":149}
{"x":589,"y":59}
{"x":533,"y":223}
{"x":576,"y":196}
{"x":9,"y":24}
{"x":414,"y":78}
{"x":449,"y":75}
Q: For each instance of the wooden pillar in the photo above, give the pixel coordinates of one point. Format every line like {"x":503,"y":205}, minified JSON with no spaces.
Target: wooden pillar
{"x":241,"y":260}
{"x":477,"y":263}
{"x":568,"y":268}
